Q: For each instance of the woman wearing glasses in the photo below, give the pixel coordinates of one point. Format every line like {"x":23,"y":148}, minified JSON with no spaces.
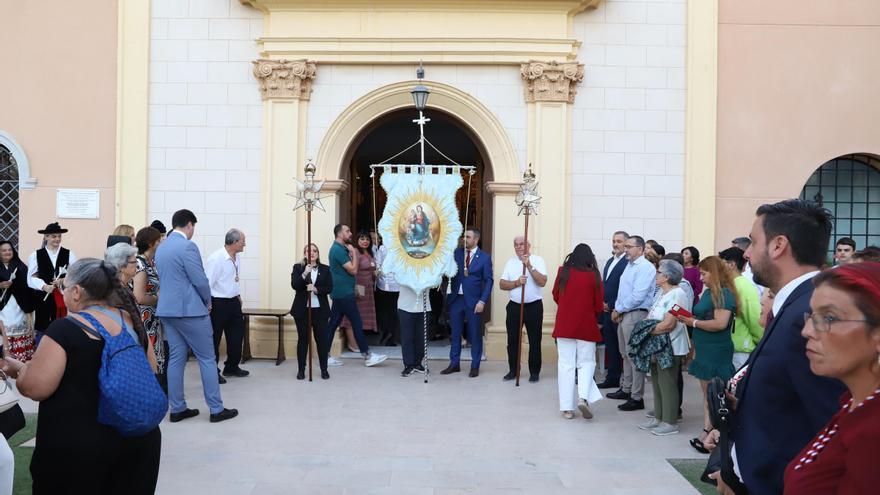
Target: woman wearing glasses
{"x":843,"y":342}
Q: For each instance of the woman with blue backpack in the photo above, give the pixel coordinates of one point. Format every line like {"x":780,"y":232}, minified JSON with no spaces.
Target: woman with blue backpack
{"x":100,"y":403}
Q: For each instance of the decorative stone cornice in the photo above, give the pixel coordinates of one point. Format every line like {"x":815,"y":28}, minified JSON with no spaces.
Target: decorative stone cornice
{"x":285,"y":78}
{"x":551,"y":81}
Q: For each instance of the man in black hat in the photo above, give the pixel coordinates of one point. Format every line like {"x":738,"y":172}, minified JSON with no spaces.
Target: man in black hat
{"x":46,"y":268}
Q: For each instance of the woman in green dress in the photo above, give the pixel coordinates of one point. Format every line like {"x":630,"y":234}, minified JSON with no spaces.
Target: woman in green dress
{"x":712,"y":323}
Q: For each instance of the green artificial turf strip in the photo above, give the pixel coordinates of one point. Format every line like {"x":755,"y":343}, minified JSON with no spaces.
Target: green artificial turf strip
{"x":22,"y":481}
{"x":692,"y":469}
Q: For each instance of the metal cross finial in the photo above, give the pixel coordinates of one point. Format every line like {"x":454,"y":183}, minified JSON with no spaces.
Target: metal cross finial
{"x":527,"y":198}
{"x":307,"y":190}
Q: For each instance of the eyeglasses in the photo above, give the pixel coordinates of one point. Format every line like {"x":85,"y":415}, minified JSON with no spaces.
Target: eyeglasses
{"x":629,"y":246}
{"x":823,"y":324}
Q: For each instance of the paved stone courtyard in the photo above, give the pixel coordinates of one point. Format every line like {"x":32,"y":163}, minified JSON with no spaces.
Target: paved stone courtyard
{"x":370,"y":431}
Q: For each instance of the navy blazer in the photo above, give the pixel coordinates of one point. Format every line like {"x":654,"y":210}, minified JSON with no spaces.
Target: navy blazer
{"x":477,"y":286}
{"x":611,"y":282}
{"x":781,"y":403}
{"x":185,"y":289}
{"x":323,"y":284}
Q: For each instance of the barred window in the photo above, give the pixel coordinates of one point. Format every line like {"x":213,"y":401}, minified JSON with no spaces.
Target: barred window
{"x":849,"y":186}
{"x":8,"y":197}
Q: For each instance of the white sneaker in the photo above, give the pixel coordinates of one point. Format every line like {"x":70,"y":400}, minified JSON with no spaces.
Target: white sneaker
{"x":650,"y":424}
{"x":664,"y":429}
{"x":373,"y":359}
{"x":332,"y":361}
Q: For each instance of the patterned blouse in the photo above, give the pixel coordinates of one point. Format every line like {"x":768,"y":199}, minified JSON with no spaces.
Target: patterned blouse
{"x":152,"y":324}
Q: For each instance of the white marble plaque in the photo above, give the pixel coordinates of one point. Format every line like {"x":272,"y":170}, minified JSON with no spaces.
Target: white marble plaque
{"x":77,"y":203}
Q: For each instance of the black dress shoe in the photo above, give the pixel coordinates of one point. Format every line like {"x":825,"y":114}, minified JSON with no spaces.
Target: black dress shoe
{"x":220,"y":378}
{"x":608,"y":384}
{"x":186,"y":413}
{"x":325,"y":375}
{"x":533,"y":378}
{"x":451,"y":369}
{"x":301,"y":375}
{"x":619,"y":395}
{"x":509,"y":376}
{"x":224,"y":415}
{"x":632,"y":405}
{"x":475,"y":372}
{"x":238,"y":372}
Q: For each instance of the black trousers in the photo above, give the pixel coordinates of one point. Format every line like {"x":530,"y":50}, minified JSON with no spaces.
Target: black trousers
{"x":533,"y":315}
{"x":412,"y":337}
{"x":319,"y":327}
{"x":613,"y":358}
{"x":386,"y":317}
{"x":226,"y":317}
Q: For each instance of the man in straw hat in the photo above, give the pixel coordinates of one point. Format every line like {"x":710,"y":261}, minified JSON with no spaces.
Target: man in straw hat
{"x":46,"y":268}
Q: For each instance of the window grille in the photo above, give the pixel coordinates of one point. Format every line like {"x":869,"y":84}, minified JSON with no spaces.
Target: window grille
{"x":849,"y":186}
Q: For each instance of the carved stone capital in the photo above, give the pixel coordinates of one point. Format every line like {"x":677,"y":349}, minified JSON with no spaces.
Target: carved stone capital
{"x":285,"y":78}
{"x":551,"y":81}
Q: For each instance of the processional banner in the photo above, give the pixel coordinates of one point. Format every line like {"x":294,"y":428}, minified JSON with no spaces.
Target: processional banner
{"x":420,"y":225}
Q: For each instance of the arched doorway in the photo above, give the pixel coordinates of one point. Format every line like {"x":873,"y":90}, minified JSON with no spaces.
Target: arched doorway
{"x":849,"y":186}
{"x":394,"y":132}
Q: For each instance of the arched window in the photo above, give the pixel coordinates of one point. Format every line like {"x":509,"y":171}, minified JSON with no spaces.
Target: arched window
{"x":8,"y":196}
{"x":849,"y":186}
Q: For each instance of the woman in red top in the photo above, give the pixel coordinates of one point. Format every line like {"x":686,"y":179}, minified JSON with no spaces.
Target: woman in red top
{"x":578,"y":293}
{"x":843,"y":342}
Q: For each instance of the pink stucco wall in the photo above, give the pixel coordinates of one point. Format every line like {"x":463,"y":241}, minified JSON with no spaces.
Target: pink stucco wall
{"x":797,"y":86}
{"x":58,"y":101}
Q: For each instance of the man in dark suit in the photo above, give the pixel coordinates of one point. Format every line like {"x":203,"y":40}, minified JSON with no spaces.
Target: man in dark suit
{"x":468,"y":294}
{"x":611,"y":280}
{"x":780,"y":403}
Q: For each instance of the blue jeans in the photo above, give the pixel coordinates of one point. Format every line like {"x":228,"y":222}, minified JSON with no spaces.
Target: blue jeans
{"x":347,"y":307}
{"x":459,"y":316}
{"x":191,"y":333}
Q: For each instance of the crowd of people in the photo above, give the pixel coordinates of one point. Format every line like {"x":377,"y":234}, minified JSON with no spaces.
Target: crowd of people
{"x":795,"y":342}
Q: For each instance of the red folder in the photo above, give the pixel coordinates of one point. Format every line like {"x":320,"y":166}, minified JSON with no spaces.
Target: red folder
{"x":679,"y":311}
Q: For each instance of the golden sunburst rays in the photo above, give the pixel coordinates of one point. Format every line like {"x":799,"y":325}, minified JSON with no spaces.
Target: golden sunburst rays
{"x":445,"y":227}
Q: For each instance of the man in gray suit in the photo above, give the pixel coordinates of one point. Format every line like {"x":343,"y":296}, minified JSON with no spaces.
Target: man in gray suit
{"x":184,"y":305}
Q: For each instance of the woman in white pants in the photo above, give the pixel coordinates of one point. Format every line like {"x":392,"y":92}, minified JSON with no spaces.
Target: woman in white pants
{"x":578,"y":294}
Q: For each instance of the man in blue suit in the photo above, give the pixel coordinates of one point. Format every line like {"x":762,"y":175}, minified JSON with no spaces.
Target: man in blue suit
{"x":469,"y":292}
{"x":184,"y":305}
{"x":611,"y":278}
{"x":780,"y":403}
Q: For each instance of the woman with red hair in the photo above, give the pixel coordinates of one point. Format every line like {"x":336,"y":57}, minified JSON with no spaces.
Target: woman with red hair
{"x":843,"y":342}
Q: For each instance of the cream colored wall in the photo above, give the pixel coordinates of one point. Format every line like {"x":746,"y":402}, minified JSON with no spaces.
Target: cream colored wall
{"x":797,"y":86}
{"x":58,"y":93}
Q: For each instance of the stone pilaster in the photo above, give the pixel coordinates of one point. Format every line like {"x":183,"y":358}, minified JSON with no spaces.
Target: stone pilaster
{"x":285,"y":78}
{"x":551,"y":81}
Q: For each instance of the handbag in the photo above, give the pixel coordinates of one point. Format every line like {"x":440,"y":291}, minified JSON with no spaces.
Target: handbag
{"x":720,"y":415}
{"x":360,"y":290}
{"x":11,"y":421}
{"x":8,"y":395}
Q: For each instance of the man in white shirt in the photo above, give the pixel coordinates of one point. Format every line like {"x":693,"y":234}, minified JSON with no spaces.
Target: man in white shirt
{"x":516,"y":283}
{"x":223,"y":269}
{"x":46,"y":268}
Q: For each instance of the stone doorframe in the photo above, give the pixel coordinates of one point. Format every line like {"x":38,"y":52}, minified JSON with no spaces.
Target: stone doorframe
{"x":549,"y":90}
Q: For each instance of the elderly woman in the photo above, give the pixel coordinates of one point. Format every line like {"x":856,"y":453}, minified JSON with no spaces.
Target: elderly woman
{"x":145,"y":286}
{"x":665,"y":381}
{"x":74,"y":452}
{"x":122,"y":258}
{"x":843,"y":342}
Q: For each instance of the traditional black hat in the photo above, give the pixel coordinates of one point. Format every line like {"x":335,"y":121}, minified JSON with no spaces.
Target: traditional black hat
{"x":52,"y":228}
